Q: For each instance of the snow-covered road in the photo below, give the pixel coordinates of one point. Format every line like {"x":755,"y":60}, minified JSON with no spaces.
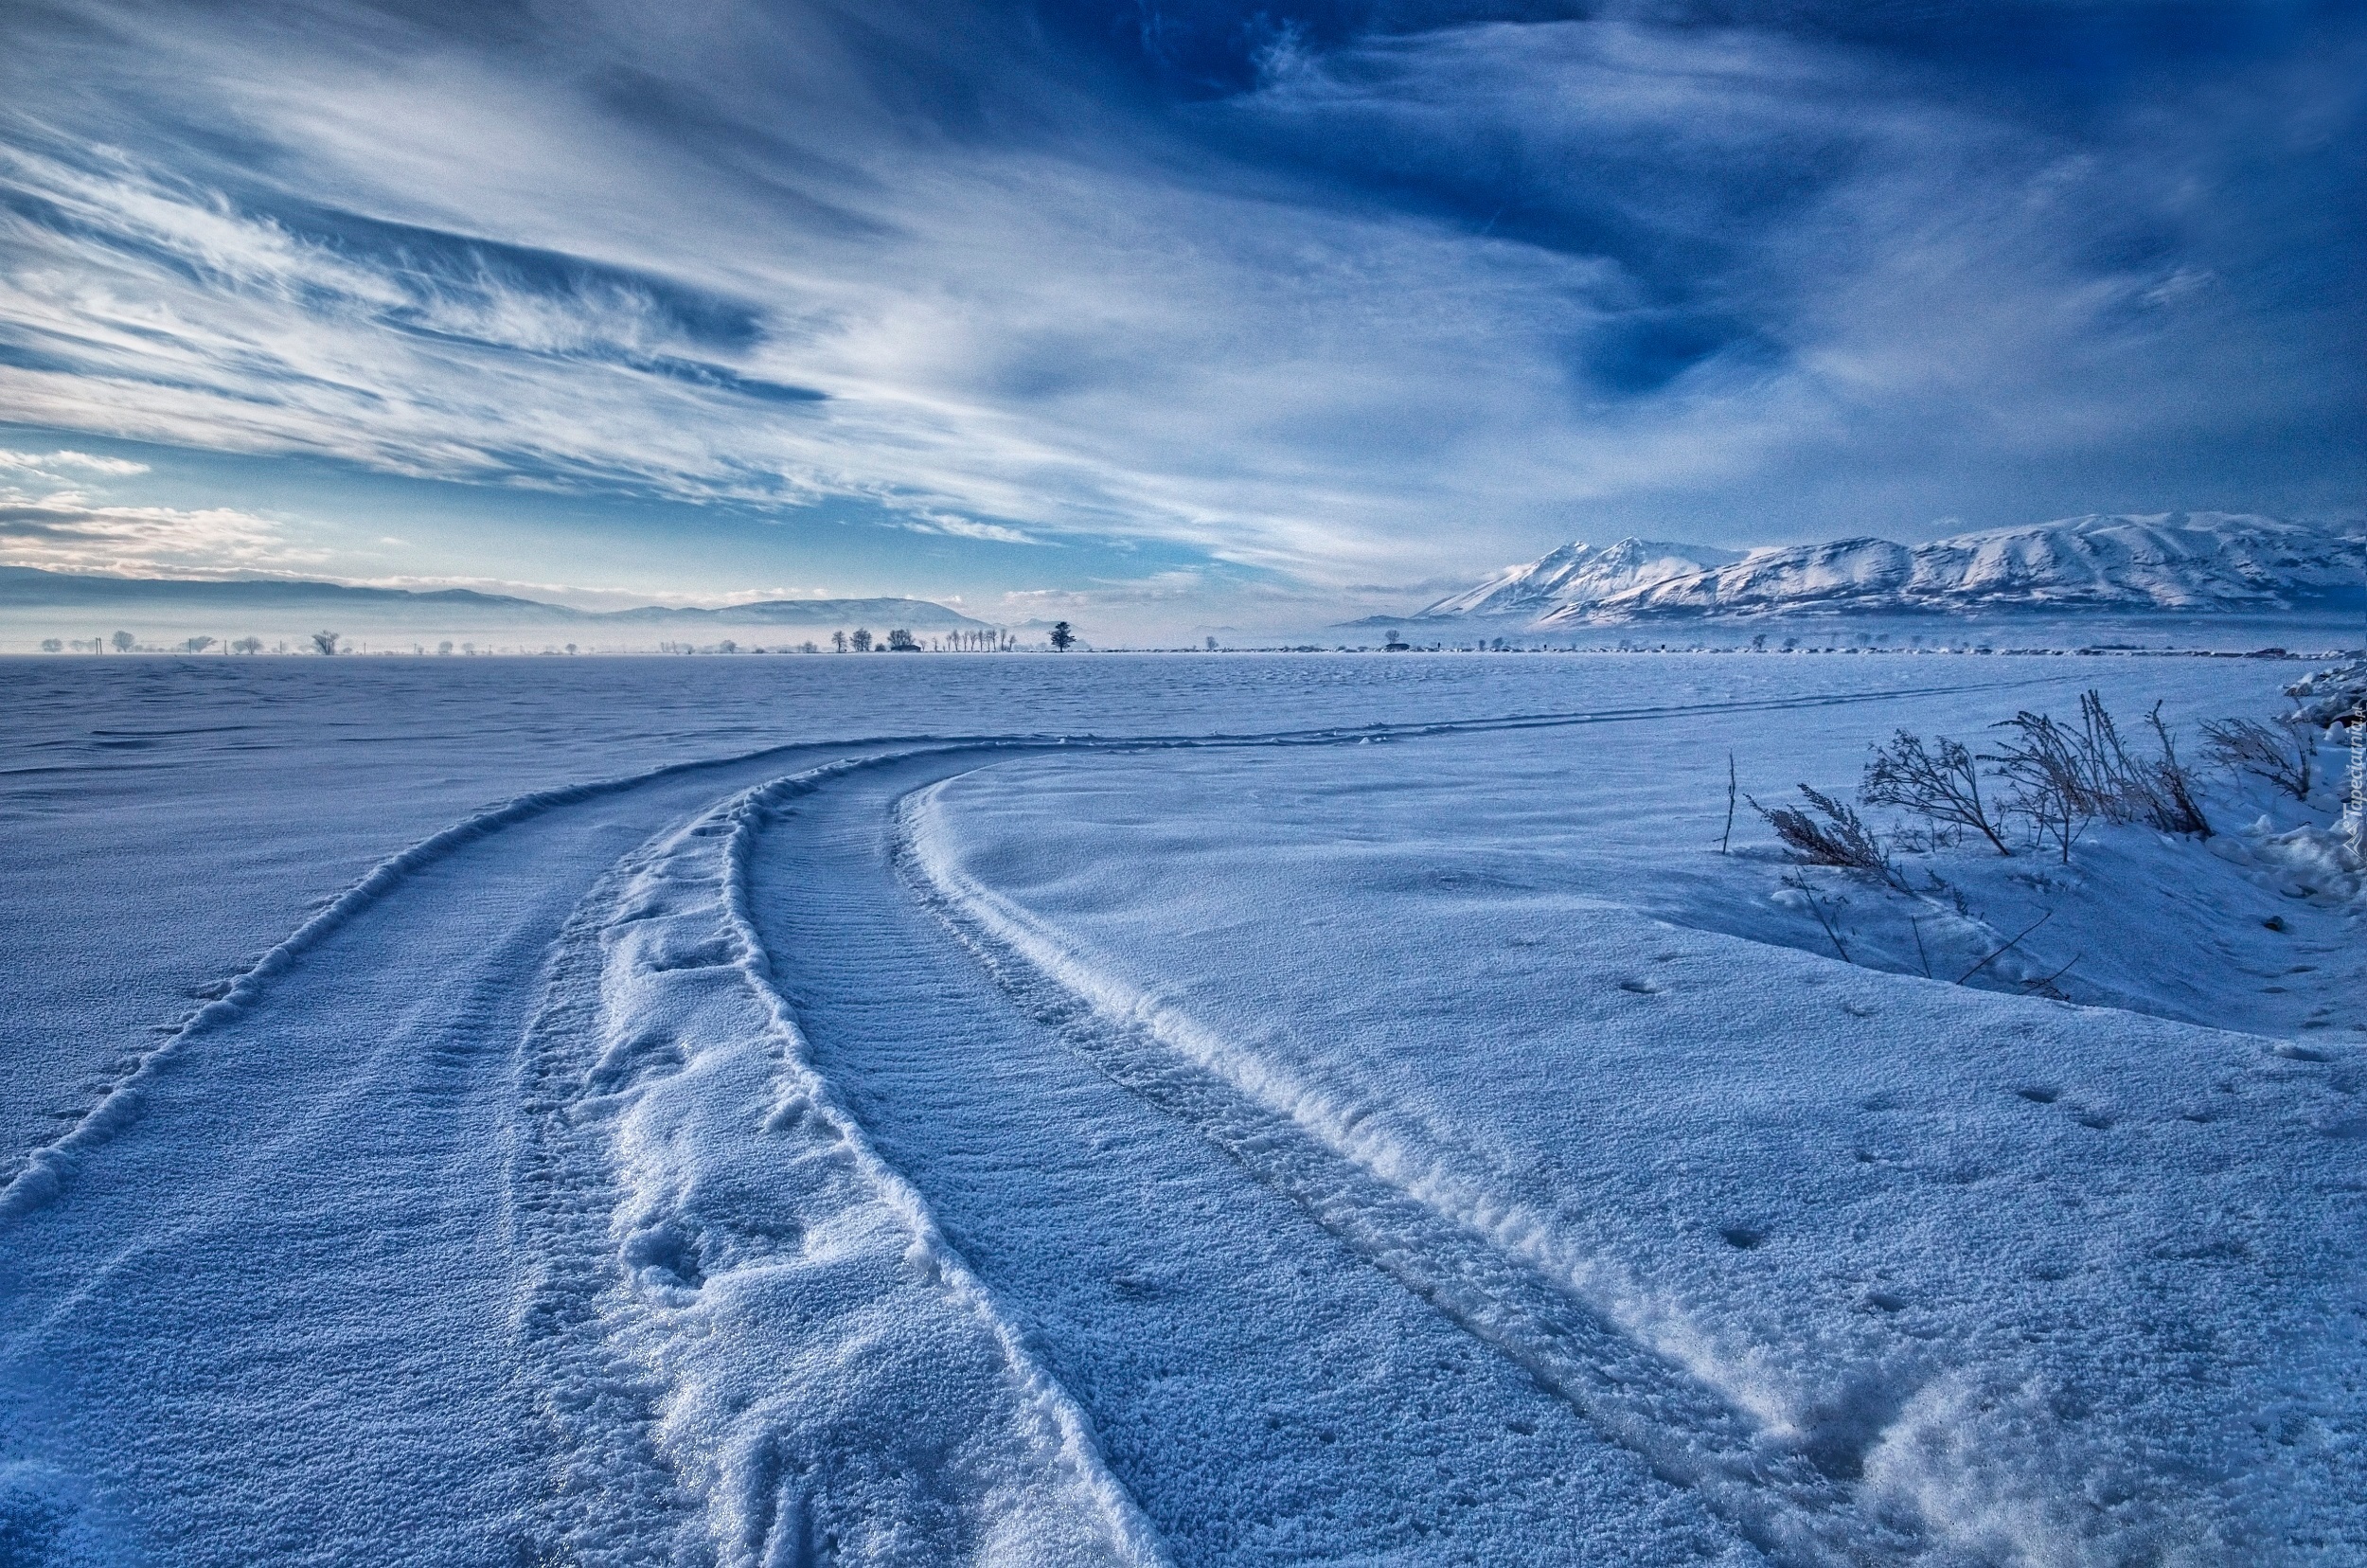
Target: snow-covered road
{"x":703,"y":1166}
{"x":262,"y":1302}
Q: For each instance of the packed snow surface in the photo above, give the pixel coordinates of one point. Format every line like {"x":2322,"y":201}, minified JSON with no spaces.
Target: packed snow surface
{"x":1220,"y":1110}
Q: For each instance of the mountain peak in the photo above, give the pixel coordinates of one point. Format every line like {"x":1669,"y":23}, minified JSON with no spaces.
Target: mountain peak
{"x":2158,"y":560}
{"x":1579,"y":575}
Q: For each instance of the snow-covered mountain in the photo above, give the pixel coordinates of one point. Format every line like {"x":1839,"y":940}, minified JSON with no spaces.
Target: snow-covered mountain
{"x":1577,"y":577}
{"x":2165,"y":561}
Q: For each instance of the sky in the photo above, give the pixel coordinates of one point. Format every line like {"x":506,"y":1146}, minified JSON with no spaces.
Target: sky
{"x":1202,"y":316}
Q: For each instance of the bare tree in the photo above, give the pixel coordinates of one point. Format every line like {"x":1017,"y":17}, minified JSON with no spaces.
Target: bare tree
{"x":1940,"y":785}
{"x":2285,"y":754}
{"x":838,"y":641}
{"x":325,"y":642}
{"x":902,"y":641}
{"x":861,"y":641}
{"x":255,"y":645}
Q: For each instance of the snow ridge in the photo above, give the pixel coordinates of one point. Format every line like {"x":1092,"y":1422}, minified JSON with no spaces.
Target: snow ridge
{"x":1631,"y":1361}
{"x":1879,"y":1463}
{"x":754,"y":1340}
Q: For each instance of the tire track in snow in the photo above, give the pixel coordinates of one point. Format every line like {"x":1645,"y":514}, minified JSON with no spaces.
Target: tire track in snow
{"x":686,"y":1186}
{"x":1492,"y":1269}
{"x":1266,"y":1394}
{"x":47,"y":1166}
{"x":169,"y":1237}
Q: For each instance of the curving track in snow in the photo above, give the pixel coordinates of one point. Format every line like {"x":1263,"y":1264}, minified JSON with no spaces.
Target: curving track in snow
{"x":653,"y":1172}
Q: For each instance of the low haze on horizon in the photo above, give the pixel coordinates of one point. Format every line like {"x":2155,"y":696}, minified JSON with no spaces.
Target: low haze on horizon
{"x":1200,"y":315}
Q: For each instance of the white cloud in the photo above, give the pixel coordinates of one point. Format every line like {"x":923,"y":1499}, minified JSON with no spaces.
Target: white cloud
{"x":51,"y":465}
{"x":964,"y":527}
{"x":1069,"y":326}
{"x":67,"y":532}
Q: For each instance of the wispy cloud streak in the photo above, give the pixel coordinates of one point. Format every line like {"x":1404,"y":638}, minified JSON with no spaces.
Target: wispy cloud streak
{"x":1379,"y":302}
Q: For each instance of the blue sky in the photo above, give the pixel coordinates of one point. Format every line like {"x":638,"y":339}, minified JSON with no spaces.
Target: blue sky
{"x":1202,"y":313}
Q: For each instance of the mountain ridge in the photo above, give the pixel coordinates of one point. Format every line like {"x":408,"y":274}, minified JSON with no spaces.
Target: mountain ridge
{"x":2177,"y":562}
{"x":31,"y":588}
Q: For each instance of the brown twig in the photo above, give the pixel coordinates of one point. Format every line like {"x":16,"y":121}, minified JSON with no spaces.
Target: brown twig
{"x":2007,"y":949}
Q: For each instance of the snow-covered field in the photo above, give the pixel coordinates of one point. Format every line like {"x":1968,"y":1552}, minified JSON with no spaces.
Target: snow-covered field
{"x":1226,"y":1109}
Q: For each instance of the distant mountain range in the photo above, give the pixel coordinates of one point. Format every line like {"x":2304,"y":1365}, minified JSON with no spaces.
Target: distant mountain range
{"x":2166,"y":561}
{"x":25,"y":589}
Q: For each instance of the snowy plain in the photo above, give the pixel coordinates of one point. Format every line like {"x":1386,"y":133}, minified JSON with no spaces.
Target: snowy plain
{"x":1215,"y":1110}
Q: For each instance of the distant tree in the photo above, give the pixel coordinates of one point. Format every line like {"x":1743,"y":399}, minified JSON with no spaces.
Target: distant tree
{"x":727,"y":646}
{"x":325,"y":642}
{"x":1212,"y":645}
{"x":838,"y":642}
{"x":1395,"y":643}
{"x":123,"y":642}
{"x":861,"y":641}
{"x":444,"y":649}
{"x":902,"y":641}
{"x":808,"y":648}
{"x":571,"y":648}
{"x":51,"y":645}
{"x":1063,"y":637}
{"x":197,"y":644}
{"x":255,"y":645}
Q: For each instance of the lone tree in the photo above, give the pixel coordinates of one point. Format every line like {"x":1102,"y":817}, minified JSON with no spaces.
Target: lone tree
{"x":838,"y":641}
{"x":123,"y":642}
{"x":1063,"y":637}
